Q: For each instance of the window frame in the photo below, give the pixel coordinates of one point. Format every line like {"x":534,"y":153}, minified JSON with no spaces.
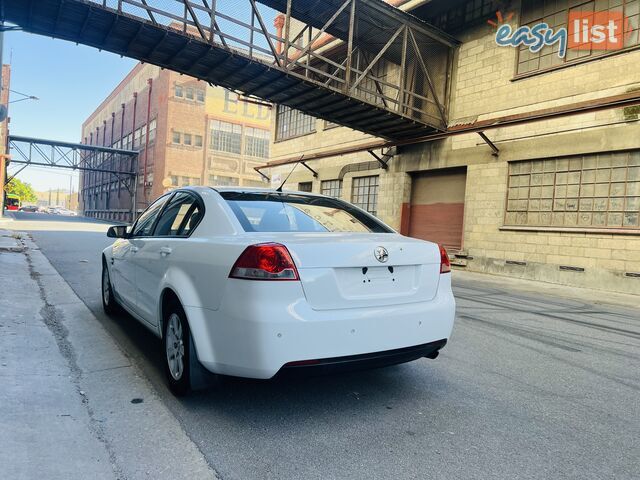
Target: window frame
{"x":198,"y":202}
{"x":331,"y":181}
{"x":279,"y":137}
{"x":377,"y":193}
{"x":605,"y":229}
{"x":576,"y":61}
{"x":167,"y":197}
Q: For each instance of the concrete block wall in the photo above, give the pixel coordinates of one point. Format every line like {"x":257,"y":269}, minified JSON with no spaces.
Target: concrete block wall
{"x":606,"y":258}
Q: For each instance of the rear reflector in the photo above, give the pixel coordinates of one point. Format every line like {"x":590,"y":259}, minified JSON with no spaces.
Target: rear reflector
{"x":265,"y":261}
{"x":445,"y":264}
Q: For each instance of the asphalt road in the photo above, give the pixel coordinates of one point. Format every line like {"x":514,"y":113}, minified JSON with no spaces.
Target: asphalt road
{"x":530,"y":386}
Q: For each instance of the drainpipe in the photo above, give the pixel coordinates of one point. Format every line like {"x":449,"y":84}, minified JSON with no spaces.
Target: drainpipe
{"x":146,"y":146}
{"x":134,"y":168}
{"x":122,"y":147}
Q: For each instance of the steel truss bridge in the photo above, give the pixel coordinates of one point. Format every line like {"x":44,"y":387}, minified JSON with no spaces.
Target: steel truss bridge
{"x":113,"y":171}
{"x":359,"y":63}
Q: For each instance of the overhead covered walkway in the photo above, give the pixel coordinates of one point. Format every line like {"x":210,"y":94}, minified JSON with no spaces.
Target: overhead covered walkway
{"x":360,"y":63}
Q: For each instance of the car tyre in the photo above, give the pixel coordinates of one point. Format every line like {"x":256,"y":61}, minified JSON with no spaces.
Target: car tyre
{"x":109,"y":302}
{"x":176,"y":342}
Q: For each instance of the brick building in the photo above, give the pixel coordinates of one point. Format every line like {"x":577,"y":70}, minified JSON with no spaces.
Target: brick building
{"x":4,"y":131}
{"x":186,"y":131}
{"x":560,"y":201}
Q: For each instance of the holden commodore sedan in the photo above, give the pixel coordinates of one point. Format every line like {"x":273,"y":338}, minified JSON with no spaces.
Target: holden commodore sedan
{"x":254,"y":283}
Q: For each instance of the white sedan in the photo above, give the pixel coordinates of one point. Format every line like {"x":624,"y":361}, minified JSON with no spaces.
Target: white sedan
{"x":254,"y":283}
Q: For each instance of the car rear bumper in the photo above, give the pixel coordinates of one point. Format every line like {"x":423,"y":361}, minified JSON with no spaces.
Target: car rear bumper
{"x":262,"y":326}
{"x":361,"y":362}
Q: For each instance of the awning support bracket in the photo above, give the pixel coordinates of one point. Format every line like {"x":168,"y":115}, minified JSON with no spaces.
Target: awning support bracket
{"x":495,"y":150}
{"x":264,"y":177}
{"x":315,"y":174}
{"x":384,"y":165}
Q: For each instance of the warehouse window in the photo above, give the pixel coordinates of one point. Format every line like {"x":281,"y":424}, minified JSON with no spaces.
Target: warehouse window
{"x":189,"y":93}
{"x":152,"y":131}
{"x":178,"y":91}
{"x":331,"y":188}
{"x":223,"y":181}
{"x":198,"y":141}
{"x":305,"y":186}
{"x":591,"y":191}
{"x":226,"y":137}
{"x":200,"y":95}
{"x":293,"y":123}
{"x":256,"y":142}
{"x":465,"y":14}
{"x":364,"y":193}
{"x":556,"y":15}
{"x":176,"y":137}
{"x":187,"y":139}
{"x":188,"y":181}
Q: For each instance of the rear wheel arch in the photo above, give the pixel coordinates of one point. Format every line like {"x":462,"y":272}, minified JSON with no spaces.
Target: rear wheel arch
{"x":169,"y":298}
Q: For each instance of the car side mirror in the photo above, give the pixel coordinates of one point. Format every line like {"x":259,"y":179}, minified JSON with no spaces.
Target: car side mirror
{"x":117,"y":231}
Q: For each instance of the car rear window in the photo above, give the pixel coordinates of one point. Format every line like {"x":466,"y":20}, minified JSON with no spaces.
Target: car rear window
{"x":283,"y":212}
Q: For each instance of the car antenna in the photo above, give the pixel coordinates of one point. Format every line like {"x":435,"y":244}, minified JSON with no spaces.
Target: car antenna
{"x":279,"y":189}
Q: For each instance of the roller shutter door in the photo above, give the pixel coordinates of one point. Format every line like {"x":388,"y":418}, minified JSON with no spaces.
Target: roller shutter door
{"x":437,"y":207}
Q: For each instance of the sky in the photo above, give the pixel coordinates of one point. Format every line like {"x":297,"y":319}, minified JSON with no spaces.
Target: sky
{"x":69,"y":80}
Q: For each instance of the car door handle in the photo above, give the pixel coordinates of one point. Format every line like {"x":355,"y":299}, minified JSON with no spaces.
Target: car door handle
{"x":164,"y":251}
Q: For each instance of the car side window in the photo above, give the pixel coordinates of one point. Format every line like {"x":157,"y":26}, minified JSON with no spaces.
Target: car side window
{"x":180,"y":217}
{"x":144,"y":225}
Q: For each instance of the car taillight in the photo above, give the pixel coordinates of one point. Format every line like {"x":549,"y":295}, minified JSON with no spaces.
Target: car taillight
{"x":265,"y":261}
{"x":445,"y":264}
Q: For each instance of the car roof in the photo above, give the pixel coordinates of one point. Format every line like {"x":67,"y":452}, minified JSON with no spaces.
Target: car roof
{"x":250,"y":190}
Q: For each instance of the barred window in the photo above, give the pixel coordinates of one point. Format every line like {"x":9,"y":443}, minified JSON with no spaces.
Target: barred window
{"x":152,"y":130}
{"x":590,"y":191}
{"x":556,"y":15}
{"x":223,"y":181}
{"x":293,"y":123}
{"x":256,"y":142}
{"x":465,"y":14}
{"x":226,"y":137}
{"x":187,"y":181}
{"x":331,"y":188}
{"x":143,"y":136}
{"x":305,"y":186}
{"x":364,"y":193}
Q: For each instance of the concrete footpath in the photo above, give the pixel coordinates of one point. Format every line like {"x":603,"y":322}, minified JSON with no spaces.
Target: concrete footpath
{"x":73,"y":405}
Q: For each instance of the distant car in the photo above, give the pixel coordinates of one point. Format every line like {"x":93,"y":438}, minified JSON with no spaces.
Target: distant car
{"x":29,"y":208}
{"x":67,"y":212}
{"x":53,"y":211}
{"x":251,"y":283}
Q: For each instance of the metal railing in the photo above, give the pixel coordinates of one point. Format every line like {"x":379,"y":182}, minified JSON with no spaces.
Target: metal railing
{"x":403,"y":71}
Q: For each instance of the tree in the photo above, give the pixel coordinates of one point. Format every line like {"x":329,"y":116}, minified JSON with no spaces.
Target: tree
{"x":22,"y":190}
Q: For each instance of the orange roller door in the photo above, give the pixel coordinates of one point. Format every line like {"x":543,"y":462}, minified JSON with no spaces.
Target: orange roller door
{"x":437,"y":207}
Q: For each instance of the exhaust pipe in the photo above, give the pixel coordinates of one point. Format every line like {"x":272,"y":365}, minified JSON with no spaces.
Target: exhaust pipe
{"x":433,"y":355}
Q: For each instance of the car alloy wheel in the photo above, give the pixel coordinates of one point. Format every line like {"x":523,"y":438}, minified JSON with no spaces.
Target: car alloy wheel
{"x":174,"y":347}
{"x":106,"y":288}
{"x":109,"y":303}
